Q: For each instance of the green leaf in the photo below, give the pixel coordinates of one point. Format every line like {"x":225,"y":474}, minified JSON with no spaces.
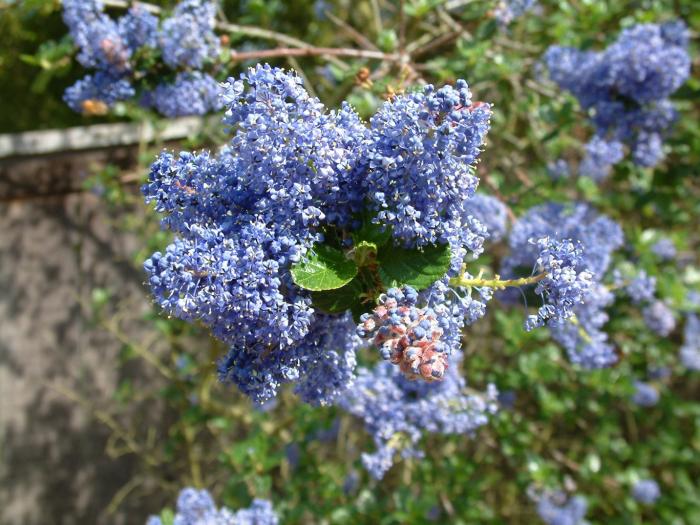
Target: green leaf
{"x":340,"y":300}
{"x":417,"y":268}
{"x":167,"y":517}
{"x":364,"y":253}
{"x":325,"y":268}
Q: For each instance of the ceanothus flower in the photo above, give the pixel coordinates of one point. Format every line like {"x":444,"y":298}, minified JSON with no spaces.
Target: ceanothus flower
{"x":291,"y":173}
{"x":601,"y":155}
{"x":508,"y":10}
{"x":641,"y":288}
{"x":598,"y":235}
{"x":659,"y":318}
{"x":645,"y":394}
{"x":664,"y":249}
{"x":490,"y":212}
{"x":95,"y":93}
{"x":297,"y":158}
{"x":625,"y":89}
{"x":585,"y":342}
{"x":114,"y":48}
{"x":187,"y":38}
{"x":406,"y":335}
{"x":139,"y":28}
{"x":565,"y":282}
{"x":646,"y":491}
{"x":556,"y":508}
{"x":418,"y":165}
{"x":397,"y":412}
{"x":197,"y":507}
{"x":97,"y":37}
{"x":191,"y":93}
{"x":690,"y":351}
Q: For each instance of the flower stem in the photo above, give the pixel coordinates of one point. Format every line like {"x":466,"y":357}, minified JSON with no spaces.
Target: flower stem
{"x":497,"y":283}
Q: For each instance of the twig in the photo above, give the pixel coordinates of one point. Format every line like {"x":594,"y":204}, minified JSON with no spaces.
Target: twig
{"x":435,"y":44}
{"x":309,"y":51}
{"x":108,"y":421}
{"x":377,"y":16}
{"x":354,"y":34}
{"x":402,"y":26}
{"x":223,"y":26}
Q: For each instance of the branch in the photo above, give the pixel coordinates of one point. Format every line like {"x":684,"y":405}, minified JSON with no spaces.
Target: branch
{"x":356,"y":35}
{"x":223,"y":26}
{"x":309,"y":51}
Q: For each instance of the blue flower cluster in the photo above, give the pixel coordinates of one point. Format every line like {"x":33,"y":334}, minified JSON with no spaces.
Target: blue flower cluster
{"x":419,"y":339}
{"x":290,"y":174}
{"x":508,"y":10}
{"x":490,"y":212}
{"x":656,"y":313}
{"x":645,"y":394}
{"x":419,"y":165}
{"x":585,"y":341}
{"x":642,"y":288}
{"x":556,"y":508}
{"x":114,"y":48}
{"x":690,"y":351}
{"x":407,"y":335}
{"x":664,"y":249}
{"x":565,"y":282}
{"x":97,"y":93}
{"x":197,"y":507}
{"x":397,"y":411}
{"x":646,"y":491}
{"x":187,"y":38}
{"x":659,"y":318}
{"x":625,"y":91}
{"x":191,"y":93}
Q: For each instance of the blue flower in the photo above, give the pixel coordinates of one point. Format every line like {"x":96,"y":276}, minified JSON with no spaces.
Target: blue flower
{"x":625,"y":91}
{"x":598,"y":237}
{"x":397,"y":412}
{"x":86,"y":95}
{"x":197,"y":507}
{"x":659,"y":318}
{"x":187,"y":38}
{"x":646,"y":491}
{"x":555,"y":508}
{"x":690,"y":351}
{"x":193,"y":93}
{"x":645,"y":394}
{"x":419,"y":163}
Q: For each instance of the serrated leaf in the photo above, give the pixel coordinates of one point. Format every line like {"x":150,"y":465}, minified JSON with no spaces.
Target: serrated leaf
{"x":417,"y":268}
{"x":325,"y":268}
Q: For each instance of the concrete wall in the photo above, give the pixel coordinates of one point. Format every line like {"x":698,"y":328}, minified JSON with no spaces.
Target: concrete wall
{"x":56,"y":245}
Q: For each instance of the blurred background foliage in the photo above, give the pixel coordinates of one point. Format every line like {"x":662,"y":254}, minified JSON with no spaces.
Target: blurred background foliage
{"x":559,"y":427}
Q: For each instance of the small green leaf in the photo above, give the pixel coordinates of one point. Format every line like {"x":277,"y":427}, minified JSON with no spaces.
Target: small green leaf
{"x":167,"y":517}
{"x":417,"y":268}
{"x":325,"y":268}
{"x":364,"y":253}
